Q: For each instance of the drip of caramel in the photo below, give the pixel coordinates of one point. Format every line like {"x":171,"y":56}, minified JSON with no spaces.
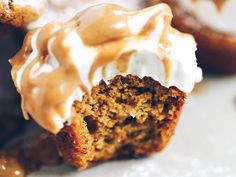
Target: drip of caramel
{"x":218,"y":3}
{"x":104,"y":27}
{"x":122,"y":62}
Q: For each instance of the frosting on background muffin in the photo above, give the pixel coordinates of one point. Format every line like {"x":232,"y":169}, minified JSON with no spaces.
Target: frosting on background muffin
{"x":212,"y":24}
{"x":217,"y":14}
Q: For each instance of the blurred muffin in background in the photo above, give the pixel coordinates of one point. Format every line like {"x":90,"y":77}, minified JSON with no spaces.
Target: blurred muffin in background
{"x":213,"y":25}
{"x":10,"y":114}
{"x":19,"y":13}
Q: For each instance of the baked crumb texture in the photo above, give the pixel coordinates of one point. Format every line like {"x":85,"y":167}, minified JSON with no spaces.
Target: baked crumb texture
{"x":17,"y":15}
{"x":129,"y":117}
{"x":216,"y":50}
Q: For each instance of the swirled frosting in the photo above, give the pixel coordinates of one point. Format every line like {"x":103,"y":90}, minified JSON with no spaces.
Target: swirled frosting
{"x":60,"y":62}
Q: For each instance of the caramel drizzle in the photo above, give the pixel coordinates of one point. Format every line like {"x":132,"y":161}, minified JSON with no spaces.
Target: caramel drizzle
{"x":104,"y":27}
{"x":164,"y":45}
{"x":218,"y":3}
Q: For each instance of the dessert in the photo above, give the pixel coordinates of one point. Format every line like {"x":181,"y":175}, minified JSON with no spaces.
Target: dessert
{"x":214,"y":32}
{"x":108,"y":83}
{"x":19,"y":13}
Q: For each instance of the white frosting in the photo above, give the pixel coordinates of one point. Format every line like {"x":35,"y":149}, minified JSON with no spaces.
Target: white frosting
{"x":183,"y":71}
{"x":63,"y":10}
{"x":31,"y":58}
{"x":206,"y":12}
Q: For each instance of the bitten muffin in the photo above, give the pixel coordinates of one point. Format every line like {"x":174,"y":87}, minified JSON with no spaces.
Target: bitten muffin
{"x":107,"y":85}
{"x":215,"y":38}
{"x":129,"y":117}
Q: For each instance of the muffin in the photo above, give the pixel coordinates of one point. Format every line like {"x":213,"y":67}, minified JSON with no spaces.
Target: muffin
{"x":108,"y":83}
{"x":211,"y":23}
{"x":19,"y":13}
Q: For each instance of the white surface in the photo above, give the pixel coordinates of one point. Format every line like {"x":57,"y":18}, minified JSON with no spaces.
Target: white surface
{"x":203,"y":146}
{"x":207,"y":12}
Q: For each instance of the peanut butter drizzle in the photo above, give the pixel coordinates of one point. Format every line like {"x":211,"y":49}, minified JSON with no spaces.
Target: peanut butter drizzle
{"x":103,"y":27}
{"x":164,"y":46}
{"x":218,"y":3}
{"x":122,"y":63}
{"x":105,"y":57}
{"x":106,"y":30}
{"x":102,"y":24}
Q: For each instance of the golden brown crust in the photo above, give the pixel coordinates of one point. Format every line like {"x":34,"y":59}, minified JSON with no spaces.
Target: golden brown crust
{"x":129,"y":117}
{"x":216,"y":50}
{"x":17,"y":15}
